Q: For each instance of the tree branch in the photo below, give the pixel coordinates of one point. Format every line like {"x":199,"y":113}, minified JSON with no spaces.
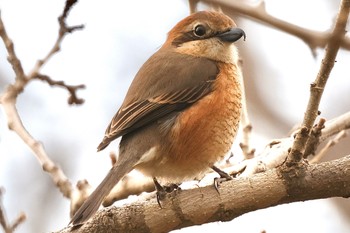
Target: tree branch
{"x":248,"y":151}
{"x":314,"y":39}
{"x":72,"y":89}
{"x":317,"y":87}
{"x":342,"y":134}
{"x":193,"y":5}
{"x":237,"y":197}
{"x":9,"y":97}
{"x":9,"y":228}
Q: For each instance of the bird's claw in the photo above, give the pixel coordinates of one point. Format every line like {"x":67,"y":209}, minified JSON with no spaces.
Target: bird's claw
{"x":223,"y":177}
{"x":162,"y":191}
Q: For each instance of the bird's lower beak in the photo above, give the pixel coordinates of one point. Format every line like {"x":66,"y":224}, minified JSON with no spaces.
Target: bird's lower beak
{"x":232,"y":35}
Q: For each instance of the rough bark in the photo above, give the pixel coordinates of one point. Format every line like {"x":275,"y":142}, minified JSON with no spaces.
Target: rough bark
{"x":239,"y":196}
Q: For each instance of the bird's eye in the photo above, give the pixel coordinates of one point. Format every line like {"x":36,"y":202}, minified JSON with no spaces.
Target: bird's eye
{"x":199,"y":30}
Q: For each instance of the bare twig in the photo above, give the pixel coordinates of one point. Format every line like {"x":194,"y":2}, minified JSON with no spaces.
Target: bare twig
{"x":193,"y":5}
{"x":63,"y":30}
{"x":79,"y":195}
{"x":314,"y":138}
{"x":317,"y":87}
{"x":9,"y":228}
{"x":21,"y":79}
{"x":245,"y":145}
{"x":342,"y":134}
{"x":314,"y":39}
{"x":113,"y":157}
{"x":129,"y":185}
{"x":9,"y":97}
{"x":73,"y":98}
{"x":336,"y":125}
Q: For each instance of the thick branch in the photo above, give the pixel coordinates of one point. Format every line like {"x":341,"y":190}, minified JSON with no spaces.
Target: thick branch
{"x":237,"y":197}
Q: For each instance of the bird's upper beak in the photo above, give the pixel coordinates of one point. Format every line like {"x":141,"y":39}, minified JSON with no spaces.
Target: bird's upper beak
{"x":232,"y":35}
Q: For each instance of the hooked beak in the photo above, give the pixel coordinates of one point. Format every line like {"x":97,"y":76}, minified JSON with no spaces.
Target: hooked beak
{"x":232,"y":35}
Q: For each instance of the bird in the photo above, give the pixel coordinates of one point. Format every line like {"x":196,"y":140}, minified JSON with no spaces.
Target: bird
{"x":182,"y":110}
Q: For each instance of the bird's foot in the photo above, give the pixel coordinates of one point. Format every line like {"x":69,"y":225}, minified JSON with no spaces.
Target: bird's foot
{"x":223,"y":177}
{"x":171,"y":188}
{"x":162,"y":191}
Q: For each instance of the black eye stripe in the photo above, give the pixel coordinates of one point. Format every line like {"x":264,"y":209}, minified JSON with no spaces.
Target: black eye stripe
{"x":191,"y":36}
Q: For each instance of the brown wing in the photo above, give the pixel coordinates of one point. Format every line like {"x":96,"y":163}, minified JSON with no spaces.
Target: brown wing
{"x":171,"y":87}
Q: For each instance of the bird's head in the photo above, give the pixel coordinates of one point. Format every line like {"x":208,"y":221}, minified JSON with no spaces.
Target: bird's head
{"x":206,"y":34}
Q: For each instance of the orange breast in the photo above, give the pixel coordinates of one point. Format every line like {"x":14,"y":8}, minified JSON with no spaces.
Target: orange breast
{"x":203,"y":133}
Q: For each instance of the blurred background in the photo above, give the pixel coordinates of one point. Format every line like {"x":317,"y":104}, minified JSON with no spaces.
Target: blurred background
{"x":117,"y":39}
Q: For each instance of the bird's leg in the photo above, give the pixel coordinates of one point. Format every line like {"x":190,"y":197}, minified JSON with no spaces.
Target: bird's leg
{"x":223,"y":177}
{"x":163,"y":190}
{"x":160,"y":191}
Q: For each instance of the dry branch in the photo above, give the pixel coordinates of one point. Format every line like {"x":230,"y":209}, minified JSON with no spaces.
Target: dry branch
{"x":9,"y":228}
{"x":247,"y":149}
{"x":317,"y":87}
{"x":9,"y":97}
{"x":239,"y":196}
{"x":314,"y":39}
{"x":72,"y":89}
{"x":193,"y":5}
{"x":317,"y":158}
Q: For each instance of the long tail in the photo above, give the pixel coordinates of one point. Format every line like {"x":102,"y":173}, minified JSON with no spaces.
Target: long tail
{"x":93,"y":202}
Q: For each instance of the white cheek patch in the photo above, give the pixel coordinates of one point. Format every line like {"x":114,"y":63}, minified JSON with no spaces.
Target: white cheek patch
{"x":148,"y":156}
{"x":211,"y":48}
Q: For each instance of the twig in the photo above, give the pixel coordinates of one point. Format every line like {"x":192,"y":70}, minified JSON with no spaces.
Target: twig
{"x":9,"y":228}
{"x":9,"y":97}
{"x":193,"y":5}
{"x":342,"y":134}
{"x":21,"y":79}
{"x":245,"y":145}
{"x":317,"y":87}
{"x":73,"y":99}
{"x":336,"y":125}
{"x":129,"y":185}
{"x":63,"y":30}
{"x":113,"y":157}
{"x":314,"y":39}
{"x":79,"y":195}
{"x":314,"y":138}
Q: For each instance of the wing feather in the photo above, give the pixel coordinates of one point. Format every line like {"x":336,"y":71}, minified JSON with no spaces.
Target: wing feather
{"x":146,"y":108}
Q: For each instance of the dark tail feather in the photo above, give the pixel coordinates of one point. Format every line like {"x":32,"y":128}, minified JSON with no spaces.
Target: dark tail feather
{"x":93,"y":202}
